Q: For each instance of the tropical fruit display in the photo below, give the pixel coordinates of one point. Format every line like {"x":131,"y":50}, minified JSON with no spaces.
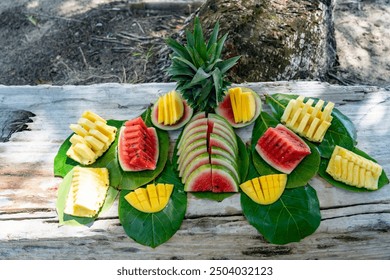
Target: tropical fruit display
{"x":282,"y":149}
{"x":92,"y":137}
{"x":171,"y":112}
{"x":240,"y":106}
{"x":308,"y":120}
{"x":151,"y":199}
{"x":207,"y":155}
{"x":138,"y":147}
{"x":209,"y":159}
{"x":87,"y":191}
{"x":265,"y":189}
{"x":353,"y":169}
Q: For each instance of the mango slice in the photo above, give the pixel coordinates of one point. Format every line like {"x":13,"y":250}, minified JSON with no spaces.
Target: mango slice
{"x":354,"y":170}
{"x":87,"y":192}
{"x":91,"y":139}
{"x":170,"y":108}
{"x":265,"y":189}
{"x":151,"y":199}
{"x":308,"y":120}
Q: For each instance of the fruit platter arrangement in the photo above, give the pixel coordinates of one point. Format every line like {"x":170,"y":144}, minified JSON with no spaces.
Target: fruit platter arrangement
{"x":105,"y":159}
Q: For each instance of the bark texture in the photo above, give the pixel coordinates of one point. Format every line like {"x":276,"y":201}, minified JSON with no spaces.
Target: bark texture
{"x":278,"y":39}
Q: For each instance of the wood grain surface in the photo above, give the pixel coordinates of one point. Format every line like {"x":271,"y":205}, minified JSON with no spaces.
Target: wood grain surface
{"x":353,"y":226}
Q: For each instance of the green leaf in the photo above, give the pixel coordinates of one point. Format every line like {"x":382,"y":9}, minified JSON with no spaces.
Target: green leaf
{"x":383,"y":180}
{"x":185,"y":61}
{"x":220,"y":44}
{"x":213,"y":36}
{"x":153,"y":229}
{"x":341,"y":132}
{"x":190,"y":39}
{"x":178,"y":48}
{"x":175,"y":70}
{"x":118,"y":178}
{"x":217,"y":78}
{"x":200,"y":44}
{"x":200,"y":76}
{"x":293,"y":217}
{"x":62,"y":194}
{"x":301,"y":175}
{"x":225,"y":65}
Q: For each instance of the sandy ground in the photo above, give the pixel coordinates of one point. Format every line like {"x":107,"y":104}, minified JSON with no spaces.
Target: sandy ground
{"x":84,"y":41}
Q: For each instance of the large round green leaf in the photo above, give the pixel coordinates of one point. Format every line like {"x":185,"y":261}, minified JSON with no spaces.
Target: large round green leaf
{"x":342,"y":131}
{"x":63,"y":190}
{"x":118,"y":178}
{"x":305,"y":170}
{"x":153,"y":229}
{"x":383,"y":180}
{"x":291,"y":218}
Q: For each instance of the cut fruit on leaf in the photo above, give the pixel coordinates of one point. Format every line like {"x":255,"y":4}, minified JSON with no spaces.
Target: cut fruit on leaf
{"x":282,"y":149}
{"x":354,"y":170}
{"x":240,"y":106}
{"x":91,"y":139}
{"x":62,"y":196}
{"x":308,"y":119}
{"x":325,"y":164}
{"x":153,"y":229}
{"x":341,"y":132}
{"x":151,"y":199}
{"x":171,"y":112}
{"x":137,"y":146}
{"x":265,"y":189}
{"x":87,"y":192}
{"x":305,"y":170}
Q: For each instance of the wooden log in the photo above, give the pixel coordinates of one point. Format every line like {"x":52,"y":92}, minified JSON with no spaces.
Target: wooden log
{"x":351,"y":222}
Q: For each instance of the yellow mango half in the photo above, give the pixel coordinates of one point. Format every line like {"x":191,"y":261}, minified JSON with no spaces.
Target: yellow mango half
{"x":151,"y":199}
{"x":265,"y":189}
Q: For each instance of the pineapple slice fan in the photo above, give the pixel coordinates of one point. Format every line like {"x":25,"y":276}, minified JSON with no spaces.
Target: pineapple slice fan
{"x":265,"y":189}
{"x":91,"y":139}
{"x":170,"y":108}
{"x":307,"y":120}
{"x":151,"y":199}
{"x":87,"y":192}
{"x":353,"y":169}
{"x":243,"y":104}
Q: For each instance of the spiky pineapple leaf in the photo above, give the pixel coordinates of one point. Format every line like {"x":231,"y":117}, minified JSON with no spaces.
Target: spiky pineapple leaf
{"x":225,"y":65}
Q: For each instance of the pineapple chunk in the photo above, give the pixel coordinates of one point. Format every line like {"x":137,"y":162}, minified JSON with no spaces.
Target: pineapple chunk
{"x":170,"y":108}
{"x":353,"y":169}
{"x":91,"y":139}
{"x":151,"y":199}
{"x":266,"y":189}
{"x":87,"y":192}
{"x":243,"y":105}
{"x":307,"y":120}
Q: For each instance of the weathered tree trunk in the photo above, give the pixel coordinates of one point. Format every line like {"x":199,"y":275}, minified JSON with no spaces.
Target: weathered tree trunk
{"x":278,"y":39}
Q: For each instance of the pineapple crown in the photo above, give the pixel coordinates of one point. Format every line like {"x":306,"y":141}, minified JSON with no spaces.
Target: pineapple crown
{"x":198,"y":69}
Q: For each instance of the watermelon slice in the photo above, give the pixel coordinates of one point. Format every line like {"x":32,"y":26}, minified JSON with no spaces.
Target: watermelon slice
{"x":282,"y":149}
{"x":137,"y":146}
{"x":207,"y":157}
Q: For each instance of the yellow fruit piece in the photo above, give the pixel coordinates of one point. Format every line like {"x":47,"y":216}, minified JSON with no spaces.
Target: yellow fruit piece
{"x":266,"y":189}
{"x":170,"y":108}
{"x":87,"y":192}
{"x":91,"y":139}
{"x":307,"y":120}
{"x":151,"y":199}
{"x":243,"y":104}
{"x":354,"y":170}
